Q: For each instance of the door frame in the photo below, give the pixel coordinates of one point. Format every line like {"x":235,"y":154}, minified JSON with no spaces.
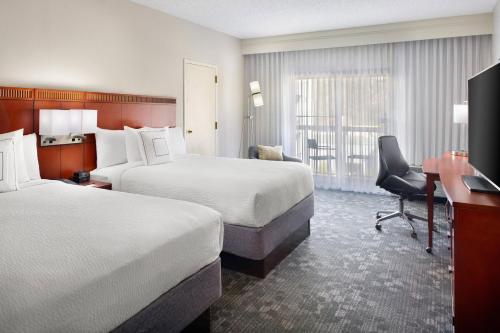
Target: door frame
{"x":192,"y":62}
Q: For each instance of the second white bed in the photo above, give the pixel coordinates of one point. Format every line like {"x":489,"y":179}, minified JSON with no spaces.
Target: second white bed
{"x":248,"y":193}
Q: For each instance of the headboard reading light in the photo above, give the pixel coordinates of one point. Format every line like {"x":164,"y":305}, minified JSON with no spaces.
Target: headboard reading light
{"x":62,"y":127}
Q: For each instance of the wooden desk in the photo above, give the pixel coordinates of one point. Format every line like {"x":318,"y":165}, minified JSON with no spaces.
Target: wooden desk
{"x":431,"y":170}
{"x":475,"y":237}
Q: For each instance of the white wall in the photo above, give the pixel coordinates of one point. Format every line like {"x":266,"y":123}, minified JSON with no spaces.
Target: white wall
{"x":117,"y":46}
{"x":496,"y":33}
{"x":459,"y":26}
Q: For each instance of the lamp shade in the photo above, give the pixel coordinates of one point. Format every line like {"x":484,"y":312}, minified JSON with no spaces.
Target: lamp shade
{"x":257,"y":100}
{"x":75,"y":121}
{"x":89,"y":121}
{"x":83,"y":121}
{"x":460,"y":113}
{"x":54,"y":122}
{"x":255,"y":87}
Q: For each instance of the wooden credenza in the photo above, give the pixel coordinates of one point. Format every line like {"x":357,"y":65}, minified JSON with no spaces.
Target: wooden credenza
{"x":475,"y":237}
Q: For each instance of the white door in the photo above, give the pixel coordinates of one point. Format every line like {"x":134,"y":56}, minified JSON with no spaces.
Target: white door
{"x":200,"y":105}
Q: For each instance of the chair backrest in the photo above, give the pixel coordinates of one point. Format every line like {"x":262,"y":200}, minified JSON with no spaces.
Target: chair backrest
{"x":392,"y":161}
{"x":312,"y":144}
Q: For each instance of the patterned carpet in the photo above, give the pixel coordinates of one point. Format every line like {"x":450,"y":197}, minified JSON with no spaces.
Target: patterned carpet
{"x":347,"y":276}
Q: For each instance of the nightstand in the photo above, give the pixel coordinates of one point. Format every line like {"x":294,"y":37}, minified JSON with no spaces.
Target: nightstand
{"x":96,"y":184}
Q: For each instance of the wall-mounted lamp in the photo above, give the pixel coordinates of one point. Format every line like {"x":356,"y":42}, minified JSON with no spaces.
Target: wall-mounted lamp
{"x":61,"y":127}
{"x":83,"y":122}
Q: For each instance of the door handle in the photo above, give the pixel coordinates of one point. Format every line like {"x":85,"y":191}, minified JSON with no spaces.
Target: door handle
{"x":189,"y":131}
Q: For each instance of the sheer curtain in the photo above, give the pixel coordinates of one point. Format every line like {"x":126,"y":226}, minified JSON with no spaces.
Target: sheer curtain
{"x":329,"y":106}
{"x":431,"y":76}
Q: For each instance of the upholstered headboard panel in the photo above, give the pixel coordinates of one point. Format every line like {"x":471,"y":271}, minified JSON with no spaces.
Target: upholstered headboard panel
{"x":19,"y":108}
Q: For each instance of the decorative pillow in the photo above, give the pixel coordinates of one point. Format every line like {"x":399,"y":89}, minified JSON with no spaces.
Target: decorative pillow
{"x":31,"y":156}
{"x":153,"y":145}
{"x":17,"y":137}
{"x":270,"y":153}
{"x":110,"y":147}
{"x":132,"y":144}
{"x":176,"y":141}
{"x":8,"y":174}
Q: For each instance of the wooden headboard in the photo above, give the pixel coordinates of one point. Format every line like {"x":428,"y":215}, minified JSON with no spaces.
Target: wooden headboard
{"x":20,"y":107}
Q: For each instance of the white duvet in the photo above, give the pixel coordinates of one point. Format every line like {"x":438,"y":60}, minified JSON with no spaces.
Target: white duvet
{"x":75,"y":259}
{"x":246,"y":192}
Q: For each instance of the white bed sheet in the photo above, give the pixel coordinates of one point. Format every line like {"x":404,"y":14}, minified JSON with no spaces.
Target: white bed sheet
{"x":246,"y":192}
{"x":79,"y":259}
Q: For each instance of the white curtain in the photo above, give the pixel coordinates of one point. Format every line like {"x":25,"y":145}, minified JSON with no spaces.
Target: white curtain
{"x":431,"y":76}
{"x":330,"y":106}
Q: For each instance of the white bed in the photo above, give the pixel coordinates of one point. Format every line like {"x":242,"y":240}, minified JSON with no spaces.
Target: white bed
{"x":77,"y":259}
{"x":248,"y":193}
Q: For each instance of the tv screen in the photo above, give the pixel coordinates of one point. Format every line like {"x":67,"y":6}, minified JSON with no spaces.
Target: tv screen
{"x":484,"y":123}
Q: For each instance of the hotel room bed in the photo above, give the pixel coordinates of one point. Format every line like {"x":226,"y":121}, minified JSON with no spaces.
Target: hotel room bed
{"x":77,"y":259}
{"x":263,"y":203}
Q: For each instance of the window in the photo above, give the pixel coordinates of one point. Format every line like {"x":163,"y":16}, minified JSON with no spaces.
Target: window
{"x":338,"y":121}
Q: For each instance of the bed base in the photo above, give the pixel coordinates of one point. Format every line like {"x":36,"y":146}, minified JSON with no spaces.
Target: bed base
{"x":260,"y":268}
{"x":256,"y":251}
{"x":184,"y":308}
{"x":200,"y":324}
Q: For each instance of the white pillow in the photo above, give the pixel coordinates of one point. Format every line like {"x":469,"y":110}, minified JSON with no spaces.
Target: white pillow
{"x":176,"y":141}
{"x":110,"y":147}
{"x":153,"y":145}
{"x":8,"y":174}
{"x":17,"y":136}
{"x":132,"y":144}
{"x":31,"y":156}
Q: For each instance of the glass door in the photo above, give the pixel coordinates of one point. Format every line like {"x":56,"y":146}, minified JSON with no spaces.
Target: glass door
{"x":338,"y":121}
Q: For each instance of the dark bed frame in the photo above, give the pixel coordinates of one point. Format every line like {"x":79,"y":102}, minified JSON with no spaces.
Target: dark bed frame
{"x":257,"y":251}
{"x":186,"y":307}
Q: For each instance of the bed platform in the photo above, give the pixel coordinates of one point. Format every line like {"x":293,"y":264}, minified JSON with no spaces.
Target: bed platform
{"x":256,"y":251}
{"x":185,"y":307}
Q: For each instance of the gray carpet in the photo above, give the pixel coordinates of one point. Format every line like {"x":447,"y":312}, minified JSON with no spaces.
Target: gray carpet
{"x":347,"y":276}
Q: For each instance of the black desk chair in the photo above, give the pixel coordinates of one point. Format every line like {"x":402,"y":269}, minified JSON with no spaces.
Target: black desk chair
{"x":396,"y":177}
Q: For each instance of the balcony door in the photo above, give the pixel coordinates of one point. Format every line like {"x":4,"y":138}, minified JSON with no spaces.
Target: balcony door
{"x":338,"y":121}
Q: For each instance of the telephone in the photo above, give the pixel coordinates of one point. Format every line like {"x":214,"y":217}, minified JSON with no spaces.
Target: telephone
{"x":81,"y":176}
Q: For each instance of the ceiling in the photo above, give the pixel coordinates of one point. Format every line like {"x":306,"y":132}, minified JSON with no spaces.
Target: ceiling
{"x":263,"y":18}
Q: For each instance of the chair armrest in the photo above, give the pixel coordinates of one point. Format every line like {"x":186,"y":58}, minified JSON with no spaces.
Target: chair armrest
{"x":291,"y":159}
{"x":253,"y":152}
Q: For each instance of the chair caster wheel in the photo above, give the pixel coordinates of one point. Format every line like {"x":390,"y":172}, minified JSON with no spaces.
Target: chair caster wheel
{"x":414,"y":235}
{"x":428,"y":249}
{"x":377,"y":216}
{"x":378,"y":227}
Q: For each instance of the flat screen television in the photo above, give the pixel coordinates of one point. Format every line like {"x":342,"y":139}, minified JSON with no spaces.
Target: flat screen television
{"x":484,"y":130}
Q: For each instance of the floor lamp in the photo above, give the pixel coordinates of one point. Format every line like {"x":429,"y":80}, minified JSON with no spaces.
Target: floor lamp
{"x":256,"y":99}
